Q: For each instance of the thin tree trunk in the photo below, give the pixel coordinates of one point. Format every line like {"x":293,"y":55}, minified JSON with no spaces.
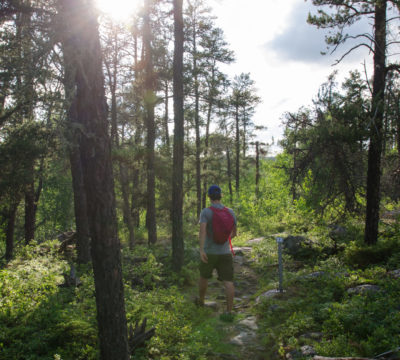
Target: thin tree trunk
{"x":10,"y":231}
{"x":166,"y":118}
{"x":30,"y":208}
{"x":81,"y":29}
{"x":375,"y":144}
{"x":134,"y":207}
{"x":179,"y":133}
{"x":237,"y":143}
{"x":229,"y":167}
{"x":149,"y":97}
{"x":257,"y":168}
{"x":126,"y":207}
{"x":197,"y":122}
{"x":123,"y":175}
{"x":206,"y":141}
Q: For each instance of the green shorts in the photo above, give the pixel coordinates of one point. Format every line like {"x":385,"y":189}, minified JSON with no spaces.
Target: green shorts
{"x":223,"y":263}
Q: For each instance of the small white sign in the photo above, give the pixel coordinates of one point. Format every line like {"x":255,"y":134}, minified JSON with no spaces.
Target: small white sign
{"x":279,"y":240}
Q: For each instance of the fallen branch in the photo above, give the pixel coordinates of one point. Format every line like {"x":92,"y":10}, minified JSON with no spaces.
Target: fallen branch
{"x":139,"y":336}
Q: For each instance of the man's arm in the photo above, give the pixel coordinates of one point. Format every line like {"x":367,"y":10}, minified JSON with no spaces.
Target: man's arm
{"x":202,"y":240}
{"x":234,"y":232}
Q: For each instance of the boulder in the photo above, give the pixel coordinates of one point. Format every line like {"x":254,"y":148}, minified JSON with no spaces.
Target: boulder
{"x":267,"y":295}
{"x":244,"y":338}
{"x":249,"y":323}
{"x":363,"y":289}
{"x":308,"y":350}
{"x":337,"y":232}
{"x":395,"y":273}
{"x":298,"y":247}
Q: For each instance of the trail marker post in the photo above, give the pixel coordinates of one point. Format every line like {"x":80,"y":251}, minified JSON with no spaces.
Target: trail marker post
{"x":279,"y":241}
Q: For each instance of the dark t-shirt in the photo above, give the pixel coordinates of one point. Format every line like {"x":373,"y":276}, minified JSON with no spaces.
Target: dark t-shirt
{"x":210,"y":247}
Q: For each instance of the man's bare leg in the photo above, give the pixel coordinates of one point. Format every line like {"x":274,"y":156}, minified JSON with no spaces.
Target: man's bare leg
{"x":203,"y":284}
{"x":230,"y":294}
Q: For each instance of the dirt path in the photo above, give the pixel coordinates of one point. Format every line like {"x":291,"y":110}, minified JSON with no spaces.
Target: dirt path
{"x":242,"y":333}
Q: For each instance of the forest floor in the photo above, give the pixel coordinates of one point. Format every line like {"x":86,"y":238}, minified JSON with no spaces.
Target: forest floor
{"x":241,"y":334}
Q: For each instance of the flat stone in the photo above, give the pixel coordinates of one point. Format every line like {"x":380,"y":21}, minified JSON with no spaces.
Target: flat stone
{"x":250,"y":323}
{"x":256,"y":241}
{"x":211,"y":304}
{"x":238,"y":259}
{"x":308,"y":350}
{"x":395,"y":273}
{"x":362,"y":289}
{"x":242,"y":250}
{"x":313,"y":335}
{"x":267,"y":295}
{"x":314,"y":275}
{"x":243,"y":338}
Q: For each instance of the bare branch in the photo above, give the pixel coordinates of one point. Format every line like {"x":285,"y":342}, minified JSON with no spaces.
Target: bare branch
{"x":366,"y":78}
{"x":351,"y":50}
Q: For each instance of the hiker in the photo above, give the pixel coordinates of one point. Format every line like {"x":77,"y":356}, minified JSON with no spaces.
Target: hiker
{"x":216,"y":253}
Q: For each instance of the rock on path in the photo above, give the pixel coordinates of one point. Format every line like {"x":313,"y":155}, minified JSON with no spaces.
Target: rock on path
{"x":243,"y":332}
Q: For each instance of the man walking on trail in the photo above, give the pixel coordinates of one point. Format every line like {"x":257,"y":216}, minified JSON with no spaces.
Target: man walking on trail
{"x":217,"y":227}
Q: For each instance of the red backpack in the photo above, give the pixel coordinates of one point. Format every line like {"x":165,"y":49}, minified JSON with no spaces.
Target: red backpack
{"x":222,"y":224}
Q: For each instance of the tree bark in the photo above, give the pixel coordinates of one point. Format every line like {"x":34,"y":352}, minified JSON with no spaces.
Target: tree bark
{"x":178,"y":149}
{"x":81,"y":28}
{"x":207,"y":137}
{"x":166,"y":118}
{"x":229,"y":167}
{"x":237,"y":144}
{"x":377,"y":113}
{"x":197,"y":121}
{"x":257,"y":168}
{"x":150,"y":98}
{"x":80,"y":208}
{"x":126,"y":208}
{"x":30,"y":207}
{"x":10,"y":231}
{"x":80,"y":201}
{"x":112,"y":70}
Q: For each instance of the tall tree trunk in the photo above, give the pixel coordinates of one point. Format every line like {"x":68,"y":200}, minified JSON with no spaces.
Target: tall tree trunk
{"x":237,"y":144}
{"x":179,"y":133}
{"x":257,"y":168}
{"x":166,"y":118}
{"x":377,"y":111}
{"x":197,"y":121}
{"x":80,"y":201}
{"x":206,"y":141}
{"x":112,"y":70}
{"x":30,"y":207}
{"x":81,"y":30}
{"x":229,"y":167}
{"x":80,"y":207}
{"x":10,"y":231}
{"x":126,"y":207}
{"x":149,"y":99}
{"x":134,"y":207}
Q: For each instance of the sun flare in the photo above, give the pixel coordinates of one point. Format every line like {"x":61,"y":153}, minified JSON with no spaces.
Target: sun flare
{"x":118,"y":10}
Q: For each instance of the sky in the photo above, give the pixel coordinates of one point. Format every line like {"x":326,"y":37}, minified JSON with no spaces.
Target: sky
{"x":273,"y":42}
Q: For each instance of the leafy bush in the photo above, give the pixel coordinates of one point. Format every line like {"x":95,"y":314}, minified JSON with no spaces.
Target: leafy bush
{"x":359,"y":255}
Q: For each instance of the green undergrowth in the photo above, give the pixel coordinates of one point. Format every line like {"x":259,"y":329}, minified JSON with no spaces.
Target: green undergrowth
{"x":41,"y":320}
{"x":316,"y":307}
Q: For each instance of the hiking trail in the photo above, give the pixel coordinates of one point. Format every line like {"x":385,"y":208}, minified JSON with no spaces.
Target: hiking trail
{"x":242,"y":332}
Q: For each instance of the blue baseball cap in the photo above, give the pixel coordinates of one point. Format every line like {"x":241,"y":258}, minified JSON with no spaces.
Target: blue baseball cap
{"x":214,"y":190}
